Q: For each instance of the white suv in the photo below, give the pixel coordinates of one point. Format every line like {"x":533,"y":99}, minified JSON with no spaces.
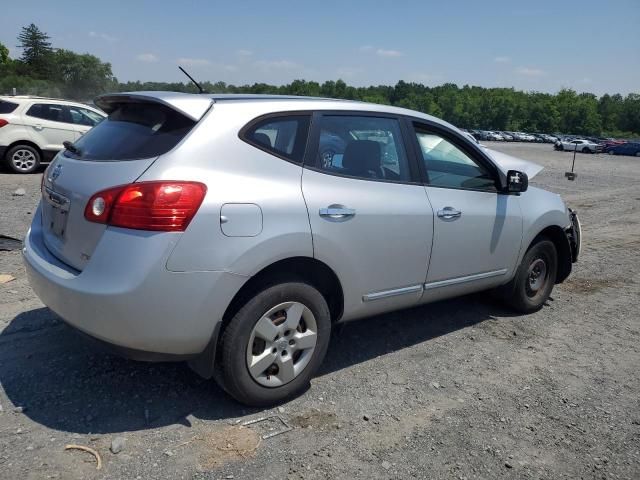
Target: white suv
{"x":33,"y":129}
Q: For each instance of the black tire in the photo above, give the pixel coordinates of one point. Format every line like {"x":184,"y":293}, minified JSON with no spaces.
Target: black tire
{"x":519,"y":292}
{"x":586,"y":150}
{"x":22,"y":159}
{"x":233,"y":373}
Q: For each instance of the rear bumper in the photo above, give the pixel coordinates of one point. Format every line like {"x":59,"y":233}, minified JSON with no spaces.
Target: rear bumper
{"x":125,"y":297}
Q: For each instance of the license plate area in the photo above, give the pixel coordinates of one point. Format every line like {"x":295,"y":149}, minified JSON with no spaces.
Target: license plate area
{"x":57,"y":212}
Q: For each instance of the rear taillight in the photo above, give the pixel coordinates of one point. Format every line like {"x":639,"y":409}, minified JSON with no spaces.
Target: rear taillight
{"x":162,"y":206}
{"x":3,"y":122}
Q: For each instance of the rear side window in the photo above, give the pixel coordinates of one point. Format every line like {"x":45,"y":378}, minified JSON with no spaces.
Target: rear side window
{"x":133,"y":131}
{"x":284,"y":136}
{"x":7,"y":107}
{"x":49,"y":111}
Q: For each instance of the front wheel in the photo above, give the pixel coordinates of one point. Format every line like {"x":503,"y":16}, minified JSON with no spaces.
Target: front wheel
{"x":534,"y":280}
{"x":274,"y":344}
{"x":586,"y":150}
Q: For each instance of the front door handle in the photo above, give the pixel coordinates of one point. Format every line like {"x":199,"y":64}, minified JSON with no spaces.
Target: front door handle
{"x":337,"y":212}
{"x":449,"y":213}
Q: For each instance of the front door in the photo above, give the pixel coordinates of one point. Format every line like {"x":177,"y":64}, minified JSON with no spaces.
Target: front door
{"x":370,"y":218}
{"x":477,"y":230}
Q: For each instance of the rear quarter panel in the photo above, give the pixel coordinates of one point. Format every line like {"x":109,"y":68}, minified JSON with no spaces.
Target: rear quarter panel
{"x":235,"y":173}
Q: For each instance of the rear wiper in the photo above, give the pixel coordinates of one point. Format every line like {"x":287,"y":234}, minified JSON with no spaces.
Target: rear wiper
{"x":72,"y":148}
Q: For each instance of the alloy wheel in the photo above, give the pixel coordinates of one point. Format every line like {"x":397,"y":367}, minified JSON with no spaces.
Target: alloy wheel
{"x":23,"y":159}
{"x":281,"y":344}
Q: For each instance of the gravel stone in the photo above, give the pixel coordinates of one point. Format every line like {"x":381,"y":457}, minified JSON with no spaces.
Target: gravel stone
{"x":117,"y":444}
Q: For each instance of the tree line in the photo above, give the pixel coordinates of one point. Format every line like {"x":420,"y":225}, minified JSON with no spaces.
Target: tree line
{"x":45,"y":70}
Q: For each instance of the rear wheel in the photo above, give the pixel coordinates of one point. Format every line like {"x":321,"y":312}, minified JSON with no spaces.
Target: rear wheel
{"x":23,"y":159}
{"x":611,"y":152}
{"x":534,"y":280}
{"x":274,"y":344}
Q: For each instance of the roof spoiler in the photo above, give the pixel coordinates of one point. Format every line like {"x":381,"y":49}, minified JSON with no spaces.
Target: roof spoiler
{"x":191,"y":106}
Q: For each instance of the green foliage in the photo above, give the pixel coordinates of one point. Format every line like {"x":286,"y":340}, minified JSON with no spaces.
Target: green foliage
{"x":81,"y":76}
{"x":4,"y":55}
{"x":43,"y":70}
{"x":468,"y":107}
{"x":36,"y":50}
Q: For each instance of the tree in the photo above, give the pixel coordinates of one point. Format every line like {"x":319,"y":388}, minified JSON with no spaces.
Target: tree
{"x":4,"y":55}
{"x":81,"y":76}
{"x":36,"y":50}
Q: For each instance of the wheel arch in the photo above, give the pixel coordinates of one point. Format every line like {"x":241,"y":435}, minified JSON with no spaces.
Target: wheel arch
{"x":28,"y":143}
{"x":24,"y":142}
{"x":307,"y":269}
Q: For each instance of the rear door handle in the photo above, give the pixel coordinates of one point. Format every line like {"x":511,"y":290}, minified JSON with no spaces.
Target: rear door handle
{"x":449,"y":213}
{"x":337,"y":212}
{"x":38,"y":127}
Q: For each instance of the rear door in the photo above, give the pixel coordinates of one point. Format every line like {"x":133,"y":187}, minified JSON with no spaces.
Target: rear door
{"x":477,"y":230}
{"x":370,"y":218}
{"x":50,"y":125}
{"x":116,"y":152}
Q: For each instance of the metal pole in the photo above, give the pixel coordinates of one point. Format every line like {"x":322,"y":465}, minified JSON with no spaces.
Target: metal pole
{"x":574,"y":157}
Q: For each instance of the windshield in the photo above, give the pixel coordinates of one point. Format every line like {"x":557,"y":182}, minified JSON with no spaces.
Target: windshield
{"x":133,"y":131}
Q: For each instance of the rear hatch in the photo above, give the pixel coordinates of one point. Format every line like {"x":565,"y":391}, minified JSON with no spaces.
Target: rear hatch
{"x":139,"y":129}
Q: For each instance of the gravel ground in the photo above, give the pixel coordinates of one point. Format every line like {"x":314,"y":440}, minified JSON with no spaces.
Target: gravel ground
{"x":459,"y":389}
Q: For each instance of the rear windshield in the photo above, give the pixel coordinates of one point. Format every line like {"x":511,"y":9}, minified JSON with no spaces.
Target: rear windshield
{"x":7,"y":107}
{"x":133,"y":131}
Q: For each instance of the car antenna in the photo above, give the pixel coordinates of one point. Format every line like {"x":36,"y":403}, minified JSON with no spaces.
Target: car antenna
{"x":202,"y":90}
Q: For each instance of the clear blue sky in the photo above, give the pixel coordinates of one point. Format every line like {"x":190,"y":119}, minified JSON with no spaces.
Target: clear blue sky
{"x":531,"y":45}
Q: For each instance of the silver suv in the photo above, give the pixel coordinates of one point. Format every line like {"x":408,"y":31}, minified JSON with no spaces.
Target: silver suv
{"x":235,"y":231}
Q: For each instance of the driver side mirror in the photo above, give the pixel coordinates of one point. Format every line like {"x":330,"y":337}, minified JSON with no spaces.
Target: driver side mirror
{"x":517,"y":182}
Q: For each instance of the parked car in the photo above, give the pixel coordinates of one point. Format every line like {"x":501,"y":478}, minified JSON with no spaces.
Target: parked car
{"x":579,"y":145}
{"x":506,"y":136}
{"x":495,"y":136}
{"x":212,"y":228}
{"x":33,"y":129}
{"x":479,"y":134}
{"x":527,"y":137}
{"x":629,"y":148}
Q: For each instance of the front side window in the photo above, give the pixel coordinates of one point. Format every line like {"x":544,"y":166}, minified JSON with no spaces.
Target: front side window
{"x":364,"y":147}
{"x":284,"y":136}
{"x":82,"y":116}
{"x":449,"y":166}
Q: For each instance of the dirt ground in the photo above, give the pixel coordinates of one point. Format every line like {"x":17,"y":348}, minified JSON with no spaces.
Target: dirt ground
{"x":460,"y":389}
